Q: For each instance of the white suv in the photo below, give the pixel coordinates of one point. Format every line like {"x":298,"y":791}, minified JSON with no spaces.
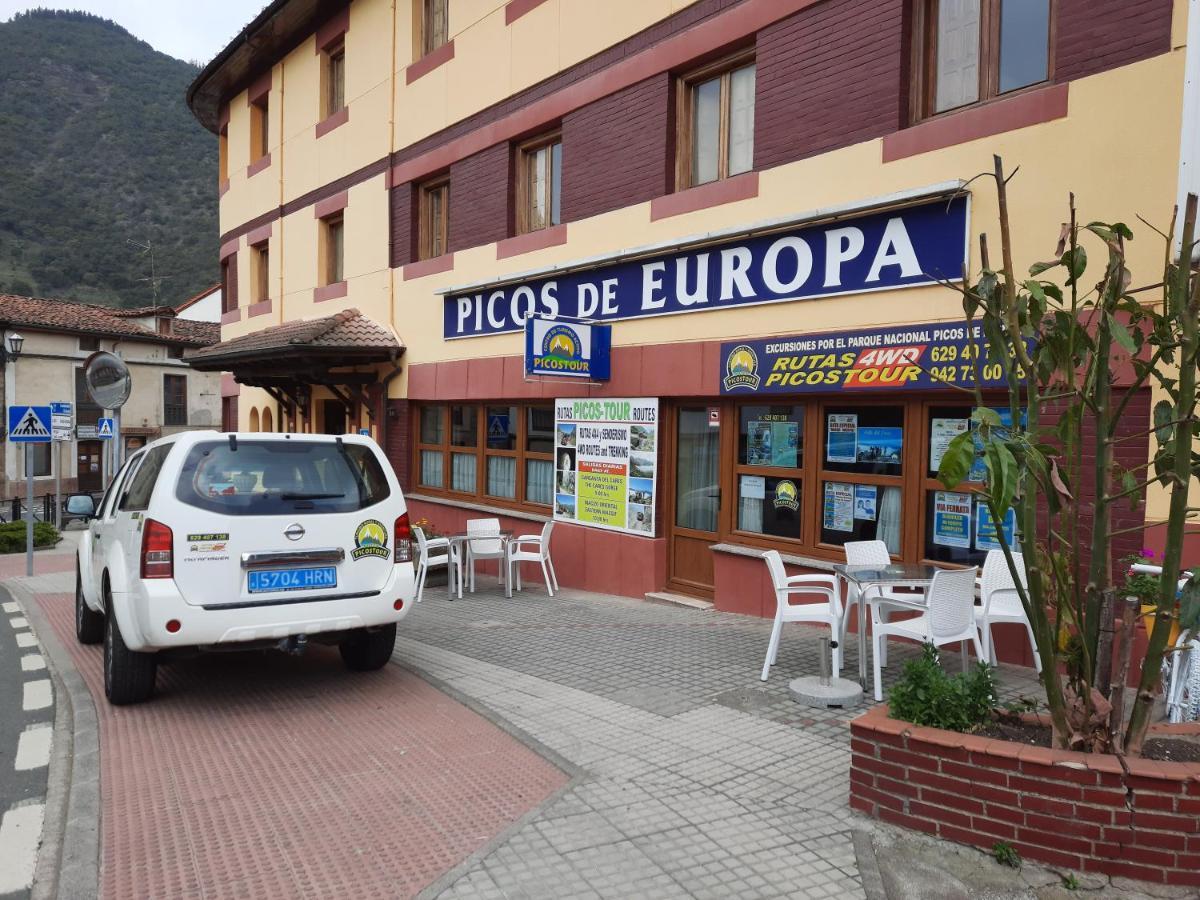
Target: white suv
{"x":231,"y":541}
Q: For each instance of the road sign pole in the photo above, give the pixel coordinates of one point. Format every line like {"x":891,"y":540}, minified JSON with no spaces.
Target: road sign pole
{"x":28,"y":509}
{"x":118,"y":450}
{"x":56,"y":461}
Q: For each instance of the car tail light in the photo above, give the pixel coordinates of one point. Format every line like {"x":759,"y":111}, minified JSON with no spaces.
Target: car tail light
{"x":403,"y":539}
{"x":157,"y":558}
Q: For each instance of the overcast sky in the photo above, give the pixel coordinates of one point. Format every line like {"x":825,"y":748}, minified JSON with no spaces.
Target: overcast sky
{"x":193,"y":30}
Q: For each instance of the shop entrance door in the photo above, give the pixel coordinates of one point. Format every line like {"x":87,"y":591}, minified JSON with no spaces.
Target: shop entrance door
{"x":90,"y":456}
{"x":697,"y":500}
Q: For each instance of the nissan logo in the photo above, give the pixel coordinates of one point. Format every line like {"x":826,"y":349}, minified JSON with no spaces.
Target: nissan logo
{"x":294,"y":532}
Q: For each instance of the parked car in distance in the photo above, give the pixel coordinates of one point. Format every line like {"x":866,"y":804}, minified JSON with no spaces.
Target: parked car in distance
{"x":209,"y":541}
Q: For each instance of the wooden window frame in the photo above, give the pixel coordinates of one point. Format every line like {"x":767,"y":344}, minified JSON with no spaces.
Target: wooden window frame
{"x":923,"y":88}
{"x":260,"y":128}
{"x":433,"y":238}
{"x":331,"y":103}
{"x":228,"y":300}
{"x":260,"y":272}
{"x":428,"y":39}
{"x":223,"y":155}
{"x":525,"y":154}
{"x":685,"y":114}
{"x":332,"y":269}
{"x":175,"y":407}
{"x":481,"y":452}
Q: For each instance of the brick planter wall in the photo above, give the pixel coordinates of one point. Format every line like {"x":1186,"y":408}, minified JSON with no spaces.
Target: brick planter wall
{"x":1074,"y":811}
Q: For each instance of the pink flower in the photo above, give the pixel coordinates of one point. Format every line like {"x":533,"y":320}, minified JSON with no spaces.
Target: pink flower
{"x":1149,"y":554}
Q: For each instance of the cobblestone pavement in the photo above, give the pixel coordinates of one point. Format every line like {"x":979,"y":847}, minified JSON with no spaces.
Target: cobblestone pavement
{"x":696,"y":779}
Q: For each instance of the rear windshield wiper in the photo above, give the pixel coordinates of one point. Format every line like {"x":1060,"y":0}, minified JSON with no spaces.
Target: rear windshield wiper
{"x":315,"y":496}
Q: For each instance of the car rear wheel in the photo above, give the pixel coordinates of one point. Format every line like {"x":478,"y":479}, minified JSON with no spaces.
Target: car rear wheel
{"x":366,"y":651}
{"x":89,"y":626}
{"x":128,"y":676}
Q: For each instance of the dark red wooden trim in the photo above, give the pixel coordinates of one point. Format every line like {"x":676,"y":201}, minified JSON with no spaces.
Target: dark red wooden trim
{"x":533,"y":240}
{"x":984,"y":120}
{"x":259,"y":236}
{"x":424,"y":267}
{"x":716,"y":193}
{"x":222,"y":188}
{"x":514,"y":9}
{"x":429,"y":62}
{"x":333,"y":29}
{"x":258,"y":309}
{"x":338,"y":119}
{"x":228,"y":249}
{"x":259,"y":88}
{"x":233,"y":315}
{"x":331,"y":205}
{"x":263,"y":162}
{"x":330,"y":292}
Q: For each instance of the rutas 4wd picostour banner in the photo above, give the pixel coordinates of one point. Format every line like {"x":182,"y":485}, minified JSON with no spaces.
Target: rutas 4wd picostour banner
{"x":606,"y":463}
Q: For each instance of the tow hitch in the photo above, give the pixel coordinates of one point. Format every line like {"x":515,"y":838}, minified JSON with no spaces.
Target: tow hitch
{"x":294,"y":645}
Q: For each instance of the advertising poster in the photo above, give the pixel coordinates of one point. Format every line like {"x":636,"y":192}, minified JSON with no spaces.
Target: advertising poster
{"x":841,"y":440}
{"x":865,"y":498}
{"x":985,"y":528}
{"x":952,"y":519}
{"x":978,"y":473}
{"x":606,"y":463}
{"x":754,"y":487}
{"x":880,"y":445}
{"x":942,"y":432}
{"x":839,"y":506}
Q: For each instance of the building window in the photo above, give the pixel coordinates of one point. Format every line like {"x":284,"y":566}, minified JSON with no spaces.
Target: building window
{"x":175,"y":400}
{"x":716,"y":121}
{"x":973,"y":50}
{"x":223,"y":155}
{"x":333,"y":71}
{"x":539,"y":182}
{"x":260,"y":128}
{"x":490,"y":452}
{"x":89,"y":344}
{"x":175,"y":351}
{"x":229,"y":284}
{"x":434,"y":218}
{"x":434,"y":24}
{"x":332,"y":250}
{"x":260,"y":272}
{"x":768,"y":472}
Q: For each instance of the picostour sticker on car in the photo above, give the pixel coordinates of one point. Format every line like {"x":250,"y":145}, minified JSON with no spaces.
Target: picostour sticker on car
{"x":370,"y":539}
{"x":208,"y":543}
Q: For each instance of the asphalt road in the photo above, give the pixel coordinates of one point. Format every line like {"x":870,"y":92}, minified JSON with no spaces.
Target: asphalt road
{"x":26,"y":720}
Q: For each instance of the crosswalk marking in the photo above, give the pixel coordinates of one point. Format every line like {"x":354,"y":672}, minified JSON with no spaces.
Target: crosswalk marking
{"x":20,"y":832}
{"x":32,"y":662}
{"x":10,"y":607}
{"x":33,"y":748}
{"x":19,"y":622}
{"x":37,"y":695}
{"x":26,"y":639}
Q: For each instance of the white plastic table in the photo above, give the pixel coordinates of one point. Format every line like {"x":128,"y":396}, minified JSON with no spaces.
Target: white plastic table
{"x":909,"y":575}
{"x":459,"y":541}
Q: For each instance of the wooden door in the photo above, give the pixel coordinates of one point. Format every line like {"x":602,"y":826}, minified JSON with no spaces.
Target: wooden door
{"x":695,"y":507}
{"x":89,"y":455}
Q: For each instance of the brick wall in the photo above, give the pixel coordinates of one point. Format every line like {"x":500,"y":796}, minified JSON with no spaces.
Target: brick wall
{"x":828,"y":77}
{"x":481,"y":198}
{"x":402,"y":224}
{"x":618,"y":151}
{"x":1096,"y":35}
{"x":1077,"y":811}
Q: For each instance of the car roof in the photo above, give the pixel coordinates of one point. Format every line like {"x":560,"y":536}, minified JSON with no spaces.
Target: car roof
{"x":189,"y":439}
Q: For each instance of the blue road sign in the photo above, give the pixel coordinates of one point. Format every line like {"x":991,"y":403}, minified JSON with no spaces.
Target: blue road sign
{"x":104,"y":429}
{"x":60,"y":409}
{"x":29,"y":424}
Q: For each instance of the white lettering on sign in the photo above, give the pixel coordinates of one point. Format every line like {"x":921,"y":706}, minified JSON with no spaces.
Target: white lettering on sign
{"x":841,"y":245}
{"x":895,"y":249}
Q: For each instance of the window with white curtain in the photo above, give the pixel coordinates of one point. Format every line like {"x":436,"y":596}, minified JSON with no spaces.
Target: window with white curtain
{"x":463,"y":467}
{"x":431,"y":468}
{"x":539,"y":480}
{"x":502,"y":476}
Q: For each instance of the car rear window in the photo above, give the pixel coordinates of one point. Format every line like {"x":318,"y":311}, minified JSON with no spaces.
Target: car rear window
{"x":264,"y":478}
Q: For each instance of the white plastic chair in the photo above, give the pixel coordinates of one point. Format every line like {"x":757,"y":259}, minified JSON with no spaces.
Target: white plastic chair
{"x":828,"y":612}
{"x":1000,"y":602}
{"x":532,"y":548}
{"x":483,"y":542}
{"x":1183,"y":683}
{"x":435,"y":552}
{"x":874,"y":553}
{"x":948,"y":618}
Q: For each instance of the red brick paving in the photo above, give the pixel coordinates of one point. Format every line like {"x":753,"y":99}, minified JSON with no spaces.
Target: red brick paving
{"x":45,"y":562}
{"x":263,"y":775}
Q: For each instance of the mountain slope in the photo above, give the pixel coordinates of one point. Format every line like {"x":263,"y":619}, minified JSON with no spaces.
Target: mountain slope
{"x":97,"y":150}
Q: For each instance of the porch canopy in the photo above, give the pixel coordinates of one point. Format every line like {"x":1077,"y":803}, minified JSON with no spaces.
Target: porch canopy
{"x":287,"y":360}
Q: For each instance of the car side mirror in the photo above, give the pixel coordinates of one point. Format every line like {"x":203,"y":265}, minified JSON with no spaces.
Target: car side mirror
{"x":81,"y":506}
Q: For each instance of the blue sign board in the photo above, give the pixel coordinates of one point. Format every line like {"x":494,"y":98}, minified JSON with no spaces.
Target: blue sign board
{"x":60,"y":409}
{"x":104,"y":429}
{"x":571,"y":350}
{"x":29,"y":424}
{"x":908,"y":357}
{"x":986,"y":535}
{"x":872,"y":252}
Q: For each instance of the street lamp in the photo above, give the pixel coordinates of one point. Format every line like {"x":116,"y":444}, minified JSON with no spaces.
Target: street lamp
{"x":15,"y":343}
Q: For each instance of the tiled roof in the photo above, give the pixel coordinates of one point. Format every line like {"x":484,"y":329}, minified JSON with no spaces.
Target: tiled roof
{"x":348,"y":330}
{"x":200,"y":333}
{"x":92,"y":319}
{"x":139,"y":312}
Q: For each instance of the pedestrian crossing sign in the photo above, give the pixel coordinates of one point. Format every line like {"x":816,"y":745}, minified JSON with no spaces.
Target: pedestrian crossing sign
{"x":29,"y":424}
{"x":104,"y":429}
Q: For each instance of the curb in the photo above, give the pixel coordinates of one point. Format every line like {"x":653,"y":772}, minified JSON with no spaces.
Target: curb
{"x":868,"y":863}
{"x":68,"y":865}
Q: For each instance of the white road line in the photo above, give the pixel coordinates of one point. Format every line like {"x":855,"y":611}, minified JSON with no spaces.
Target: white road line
{"x":33,"y":747}
{"x":32,"y":662}
{"x":20,"y":833}
{"x":10,"y":607}
{"x":19,"y":622}
{"x":37,"y":695}
{"x":26,"y":639}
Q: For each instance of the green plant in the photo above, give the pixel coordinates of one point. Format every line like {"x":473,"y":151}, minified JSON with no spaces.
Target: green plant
{"x":12,"y":536}
{"x":1006,"y":854}
{"x":1070,"y":882}
{"x":1144,"y":587}
{"x":925,"y":695}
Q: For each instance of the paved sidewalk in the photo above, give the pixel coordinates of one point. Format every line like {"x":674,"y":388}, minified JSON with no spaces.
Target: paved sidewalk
{"x":700,"y":781}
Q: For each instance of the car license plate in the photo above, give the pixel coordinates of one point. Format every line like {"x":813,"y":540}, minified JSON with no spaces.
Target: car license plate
{"x":293,"y":579}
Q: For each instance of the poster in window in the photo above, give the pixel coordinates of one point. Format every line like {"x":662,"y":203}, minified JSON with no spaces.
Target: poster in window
{"x":759,"y":443}
{"x":610,"y":450}
{"x":952,"y":519}
{"x":865,"y":501}
{"x":941,"y":433}
{"x":978,"y":473}
{"x":785,"y":443}
{"x":754,"y":487}
{"x":841,"y":439}
{"x":986,"y":537}
{"x":839,"y":506}
{"x":880,"y":445}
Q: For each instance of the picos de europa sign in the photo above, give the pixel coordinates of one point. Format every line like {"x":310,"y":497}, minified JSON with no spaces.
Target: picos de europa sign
{"x":908,"y":357}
